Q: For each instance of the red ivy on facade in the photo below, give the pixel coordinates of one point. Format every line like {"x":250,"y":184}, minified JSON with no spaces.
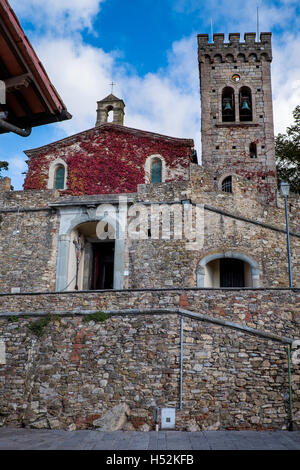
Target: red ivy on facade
{"x":106,"y":162}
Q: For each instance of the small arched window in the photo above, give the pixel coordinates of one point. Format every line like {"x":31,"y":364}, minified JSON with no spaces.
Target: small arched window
{"x":245,"y":104}
{"x":227,"y":184}
{"x":109,"y":114}
{"x":228,"y":107}
{"x":156,"y":171}
{"x":59,"y":178}
{"x":253,"y":150}
{"x":241,"y":58}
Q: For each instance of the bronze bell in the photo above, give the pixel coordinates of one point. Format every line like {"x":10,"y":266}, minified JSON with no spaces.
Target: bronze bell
{"x":245,"y":105}
{"x":227,"y":107}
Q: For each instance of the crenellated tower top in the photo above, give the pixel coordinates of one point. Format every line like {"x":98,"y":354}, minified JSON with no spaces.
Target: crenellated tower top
{"x":234,"y":50}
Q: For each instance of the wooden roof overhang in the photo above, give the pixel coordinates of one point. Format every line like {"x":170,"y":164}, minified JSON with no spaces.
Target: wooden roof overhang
{"x":28,"y":97}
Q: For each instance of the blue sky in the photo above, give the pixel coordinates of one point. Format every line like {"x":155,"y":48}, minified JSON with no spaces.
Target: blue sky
{"x":149,"y":49}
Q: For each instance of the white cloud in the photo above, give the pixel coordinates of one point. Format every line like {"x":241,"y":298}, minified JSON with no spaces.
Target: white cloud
{"x":235,"y":15}
{"x":286,"y":80}
{"x":167,"y":102}
{"x":81,"y":74}
{"x":59,"y":15}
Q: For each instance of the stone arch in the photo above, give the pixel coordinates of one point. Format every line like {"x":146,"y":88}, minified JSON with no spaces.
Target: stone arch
{"x":59,"y":162}
{"x":246,"y":98}
{"x":75,"y":217}
{"x":218,"y":58}
{"x":222,"y":178}
{"x":148,"y":165}
{"x":264,"y":57}
{"x":228,"y":104}
{"x":227,"y":185}
{"x":241,"y":57}
{"x":229,"y":58}
{"x":110,"y":113}
{"x":252,"y":57}
{"x":253,"y":266}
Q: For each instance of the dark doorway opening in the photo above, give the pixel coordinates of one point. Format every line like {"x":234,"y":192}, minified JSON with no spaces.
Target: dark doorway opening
{"x":103,"y":265}
{"x":232,"y":273}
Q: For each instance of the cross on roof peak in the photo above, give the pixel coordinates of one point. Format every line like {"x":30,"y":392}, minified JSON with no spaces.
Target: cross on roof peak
{"x":112,"y":84}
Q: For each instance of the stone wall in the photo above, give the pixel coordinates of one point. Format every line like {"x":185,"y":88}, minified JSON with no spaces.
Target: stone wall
{"x":28,"y":241}
{"x":30,"y":227}
{"x":166,"y":263}
{"x":79,"y":368}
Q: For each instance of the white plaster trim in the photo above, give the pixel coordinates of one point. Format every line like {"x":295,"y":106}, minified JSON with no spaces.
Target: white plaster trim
{"x":148,"y":168}
{"x":52,"y":169}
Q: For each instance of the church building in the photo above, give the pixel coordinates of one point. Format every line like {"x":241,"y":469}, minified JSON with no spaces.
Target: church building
{"x":128,"y":222}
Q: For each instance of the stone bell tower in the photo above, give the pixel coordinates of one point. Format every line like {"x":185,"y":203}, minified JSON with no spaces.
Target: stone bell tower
{"x":110,"y":103}
{"x":236,"y":106}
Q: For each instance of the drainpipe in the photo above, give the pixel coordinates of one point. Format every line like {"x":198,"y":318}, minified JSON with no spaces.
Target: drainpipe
{"x":181,"y":362}
{"x":157,"y":419}
{"x":11,"y":128}
{"x":290,"y":426}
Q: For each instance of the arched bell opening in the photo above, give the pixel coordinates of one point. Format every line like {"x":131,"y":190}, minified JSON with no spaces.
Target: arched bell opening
{"x":245,"y":104}
{"x":228,"y":105}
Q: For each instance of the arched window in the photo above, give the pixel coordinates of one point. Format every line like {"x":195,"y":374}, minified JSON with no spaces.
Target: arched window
{"x":229,"y":58}
{"x":252,"y":58}
{"x":253,"y":150}
{"x":228,"y":107}
{"x":229,"y":269}
{"x":227,"y":185}
{"x":245,"y":104}
{"x":241,"y":58}
{"x":59,"y":178}
{"x":156,"y":171}
{"x":110,"y":114}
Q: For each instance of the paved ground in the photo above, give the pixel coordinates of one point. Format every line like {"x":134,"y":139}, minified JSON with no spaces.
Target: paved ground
{"x":32,"y":439}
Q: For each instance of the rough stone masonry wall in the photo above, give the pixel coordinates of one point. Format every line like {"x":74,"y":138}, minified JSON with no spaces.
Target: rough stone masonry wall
{"x":77,"y":370}
{"x":166,"y":263}
{"x":28,"y":241}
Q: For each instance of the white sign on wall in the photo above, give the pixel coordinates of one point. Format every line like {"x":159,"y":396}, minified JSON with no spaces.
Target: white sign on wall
{"x":168,"y":418}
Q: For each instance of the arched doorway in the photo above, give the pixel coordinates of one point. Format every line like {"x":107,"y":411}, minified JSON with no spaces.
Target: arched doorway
{"x":229,"y":269}
{"x":86,"y":260}
{"x":91,"y":260}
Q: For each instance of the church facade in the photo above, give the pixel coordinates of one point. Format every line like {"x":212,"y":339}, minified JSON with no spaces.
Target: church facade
{"x":127,"y":222}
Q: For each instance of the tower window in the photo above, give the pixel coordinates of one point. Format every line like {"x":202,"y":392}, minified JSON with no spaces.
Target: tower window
{"x":245,"y":104}
{"x":59,"y":179}
{"x":156,"y":171}
{"x":253,"y":150}
{"x":227,"y":185}
{"x":228,"y":108}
